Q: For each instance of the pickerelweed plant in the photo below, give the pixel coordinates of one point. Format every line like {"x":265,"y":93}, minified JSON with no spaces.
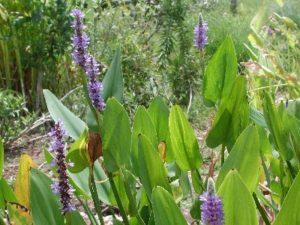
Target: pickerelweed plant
{"x":141,"y":171}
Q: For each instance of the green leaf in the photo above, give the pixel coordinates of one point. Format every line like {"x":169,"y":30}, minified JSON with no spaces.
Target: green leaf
{"x":220,"y":73}
{"x":274,"y":119}
{"x":159,"y":113}
{"x":165,"y":209}
{"x":80,"y":181}
{"x":113,"y":80}
{"x":73,"y":125}
{"x":76,"y":218}
{"x":151,"y":169}
{"x":116,"y":136}
{"x":6,"y":193}
{"x":1,"y":157}
{"x":258,"y":118}
{"x":78,"y":154}
{"x":239,"y":206}
{"x":184,"y":142}
{"x":45,"y":206}
{"x":245,"y":158}
{"x":142,"y":125}
{"x":232,"y":116}
{"x":289,"y":213}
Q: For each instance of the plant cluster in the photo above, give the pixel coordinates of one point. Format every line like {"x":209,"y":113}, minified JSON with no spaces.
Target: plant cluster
{"x":142,"y":169}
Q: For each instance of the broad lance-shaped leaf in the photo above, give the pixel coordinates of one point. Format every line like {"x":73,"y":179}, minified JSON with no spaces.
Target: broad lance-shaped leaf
{"x":289,"y":213}
{"x":22,"y":185}
{"x":6,"y":194}
{"x":244,"y":157}
{"x":113,"y":80}
{"x":142,"y":125}
{"x":151,"y":168}
{"x":165,"y":209}
{"x":274,"y":119}
{"x":232,"y":116}
{"x":45,"y":206}
{"x":159,"y":113}
{"x":72,"y":124}
{"x":116,"y":136}
{"x":239,"y":206}
{"x":220,"y":73}
{"x":184,"y":142}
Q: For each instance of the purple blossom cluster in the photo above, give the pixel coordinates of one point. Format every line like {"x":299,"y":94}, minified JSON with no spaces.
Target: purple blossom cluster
{"x":87,"y":62}
{"x":200,"y":32}
{"x":61,"y":187}
{"x":212,"y":207}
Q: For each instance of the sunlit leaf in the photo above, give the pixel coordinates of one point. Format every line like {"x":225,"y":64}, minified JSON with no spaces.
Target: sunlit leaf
{"x":289,"y":213}
{"x":220,"y":73}
{"x":184,"y":142}
{"x":245,"y":158}
{"x":238,"y":204}
{"x":165,"y":209}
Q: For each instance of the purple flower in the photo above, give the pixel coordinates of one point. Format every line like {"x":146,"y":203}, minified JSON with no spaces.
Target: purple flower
{"x":201,"y":34}
{"x":94,"y":87}
{"x":212,"y":207}
{"x":87,"y":62}
{"x":80,"y":39}
{"x":62,"y":186}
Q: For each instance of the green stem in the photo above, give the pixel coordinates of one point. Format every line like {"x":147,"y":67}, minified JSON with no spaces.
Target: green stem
{"x":222,"y":154}
{"x":93,"y":189}
{"x":117,"y":197}
{"x":261,"y":210}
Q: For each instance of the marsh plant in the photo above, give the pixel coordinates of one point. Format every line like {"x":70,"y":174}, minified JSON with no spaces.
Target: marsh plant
{"x":140,"y":170}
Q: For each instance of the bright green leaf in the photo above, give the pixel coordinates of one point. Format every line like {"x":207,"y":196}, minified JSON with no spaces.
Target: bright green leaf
{"x":239,"y":206}
{"x":220,"y":73}
{"x":232,"y":116}
{"x":289,"y":213}
{"x":165,"y":209}
{"x":245,"y":158}
{"x":184,"y":142}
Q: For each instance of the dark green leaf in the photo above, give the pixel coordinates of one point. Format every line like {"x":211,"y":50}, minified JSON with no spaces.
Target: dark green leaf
{"x":73,"y":125}
{"x":113,"y":80}
{"x":165,"y":209}
{"x":45,"y":206}
{"x":151,"y":169}
{"x":116,"y":136}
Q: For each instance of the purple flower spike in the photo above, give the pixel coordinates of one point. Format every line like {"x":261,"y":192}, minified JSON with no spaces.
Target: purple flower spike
{"x":62,"y":186}
{"x":201,"y":34}
{"x":212,"y":207}
{"x":80,"y":39}
{"x":88,"y":63}
{"x":95,"y":87}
